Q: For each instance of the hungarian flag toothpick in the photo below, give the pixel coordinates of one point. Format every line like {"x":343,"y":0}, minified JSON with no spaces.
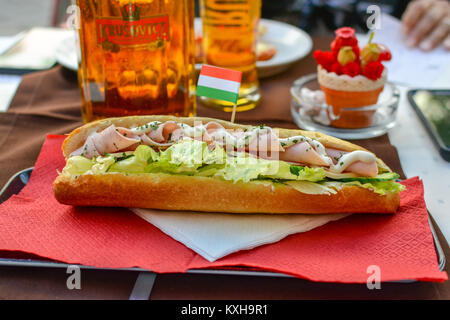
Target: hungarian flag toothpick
{"x":221,"y":84}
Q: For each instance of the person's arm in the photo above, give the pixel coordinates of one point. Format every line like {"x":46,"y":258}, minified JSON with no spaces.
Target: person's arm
{"x":426,"y":24}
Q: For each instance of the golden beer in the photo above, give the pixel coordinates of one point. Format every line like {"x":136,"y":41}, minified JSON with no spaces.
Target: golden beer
{"x":230,"y":30}
{"x":136,"y":58}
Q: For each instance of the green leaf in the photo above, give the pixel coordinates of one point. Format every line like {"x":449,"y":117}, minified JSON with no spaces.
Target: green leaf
{"x":388,"y":176}
{"x":102,"y":164}
{"x":380,"y":187}
{"x":308,"y":174}
{"x":77,"y":165}
{"x":146,"y":154}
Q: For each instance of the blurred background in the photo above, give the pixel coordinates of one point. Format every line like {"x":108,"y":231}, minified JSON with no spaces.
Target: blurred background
{"x":313,"y":16}
{"x":19,"y":15}
{"x":324,"y":16}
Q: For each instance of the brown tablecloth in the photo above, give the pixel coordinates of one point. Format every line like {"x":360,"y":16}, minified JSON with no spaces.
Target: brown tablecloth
{"x":49,"y":102}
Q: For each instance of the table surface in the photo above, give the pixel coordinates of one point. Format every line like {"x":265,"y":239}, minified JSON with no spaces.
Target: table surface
{"x":36,"y":109}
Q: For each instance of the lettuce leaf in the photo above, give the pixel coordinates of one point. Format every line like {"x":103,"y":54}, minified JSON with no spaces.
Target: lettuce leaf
{"x":311,"y":187}
{"x":209,"y":170}
{"x":128,"y":165}
{"x":187,"y":157}
{"x":102,"y":164}
{"x":245,"y":169}
{"x":137,"y":162}
{"x":80,"y":165}
{"x":77,"y":165}
{"x":309,"y":174}
{"x":146,"y":154}
{"x":188,"y":154}
{"x":380,"y":187}
{"x":388,"y":176}
{"x":193,"y":157}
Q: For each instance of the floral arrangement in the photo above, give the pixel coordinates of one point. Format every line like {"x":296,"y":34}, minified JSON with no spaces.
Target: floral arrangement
{"x":347,"y":58}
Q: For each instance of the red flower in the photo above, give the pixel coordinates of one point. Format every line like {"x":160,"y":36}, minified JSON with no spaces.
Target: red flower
{"x":336,"y":68}
{"x":344,"y":37}
{"x":345,"y":33}
{"x":356,"y":51}
{"x":351,"y":42}
{"x":373,"y":70}
{"x":351,"y":69}
{"x":335,"y":47}
{"x":385,"y":54}
{"x":324,"y":58}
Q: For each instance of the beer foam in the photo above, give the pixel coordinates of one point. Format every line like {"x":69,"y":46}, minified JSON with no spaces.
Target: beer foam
{"x":346,"y":83}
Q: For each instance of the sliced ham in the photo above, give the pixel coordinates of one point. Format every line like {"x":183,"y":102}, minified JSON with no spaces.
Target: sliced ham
{"x":161,"y":134}
{"x":177,"y":134}
{"x":213,"y":126}
{"x":264,"y":144}
{"x":145,"y":139}
{"x":168,"y":130}
{"x":363,"y":168}
{"x":114,"y":139}
{"x":302,"y":153}
{"x":367,"y":169}
{"x":334,"y":154}
{"x":109,"y":140}
{"x":88,"y":150}
{"x":209,"y":136}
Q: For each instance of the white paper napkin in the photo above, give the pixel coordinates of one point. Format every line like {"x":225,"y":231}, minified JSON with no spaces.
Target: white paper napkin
{"x":215,"y":235}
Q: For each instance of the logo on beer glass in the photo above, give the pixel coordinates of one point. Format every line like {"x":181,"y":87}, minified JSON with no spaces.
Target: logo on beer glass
{"x":132,"y":29}
{"x":131,"y":12}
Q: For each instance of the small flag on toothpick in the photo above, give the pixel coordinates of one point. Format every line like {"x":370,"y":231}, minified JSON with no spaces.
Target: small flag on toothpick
{"x":220,"y":83}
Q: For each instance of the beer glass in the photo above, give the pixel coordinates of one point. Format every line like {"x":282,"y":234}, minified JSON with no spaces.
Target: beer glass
{"x":230,"y":31}
{"x":136,"y":58}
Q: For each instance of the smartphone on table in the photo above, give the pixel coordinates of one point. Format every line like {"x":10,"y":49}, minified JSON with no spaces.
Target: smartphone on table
{"x":433,"y":108}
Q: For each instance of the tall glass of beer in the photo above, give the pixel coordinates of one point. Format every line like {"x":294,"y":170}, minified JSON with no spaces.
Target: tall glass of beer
{"x":230,"y":31}
{"x":136,"y":58}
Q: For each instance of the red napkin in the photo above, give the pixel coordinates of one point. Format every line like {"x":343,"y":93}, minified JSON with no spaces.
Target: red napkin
{"x":401,"y":245}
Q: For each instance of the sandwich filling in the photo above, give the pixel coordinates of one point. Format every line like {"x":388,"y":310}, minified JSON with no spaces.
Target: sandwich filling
{"x":249,"y":155}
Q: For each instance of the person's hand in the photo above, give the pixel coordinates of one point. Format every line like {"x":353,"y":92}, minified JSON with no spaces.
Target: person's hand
{"x":426,"y":24}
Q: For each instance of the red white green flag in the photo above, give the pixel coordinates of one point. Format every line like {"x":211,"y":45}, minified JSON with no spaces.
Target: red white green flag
{"x":219,"y":83}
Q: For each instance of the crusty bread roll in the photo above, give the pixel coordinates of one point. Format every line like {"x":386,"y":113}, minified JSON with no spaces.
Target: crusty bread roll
{"x":195,"y":193}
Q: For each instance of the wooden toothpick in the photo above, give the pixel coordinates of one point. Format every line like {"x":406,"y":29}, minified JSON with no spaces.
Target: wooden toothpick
{"x":233,"y":114}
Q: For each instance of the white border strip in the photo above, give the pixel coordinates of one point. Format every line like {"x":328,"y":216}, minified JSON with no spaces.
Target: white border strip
{"x":217,"y":83}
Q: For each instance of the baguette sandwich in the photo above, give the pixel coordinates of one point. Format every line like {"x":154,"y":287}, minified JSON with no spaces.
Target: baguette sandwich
{"x":203,"y":164}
